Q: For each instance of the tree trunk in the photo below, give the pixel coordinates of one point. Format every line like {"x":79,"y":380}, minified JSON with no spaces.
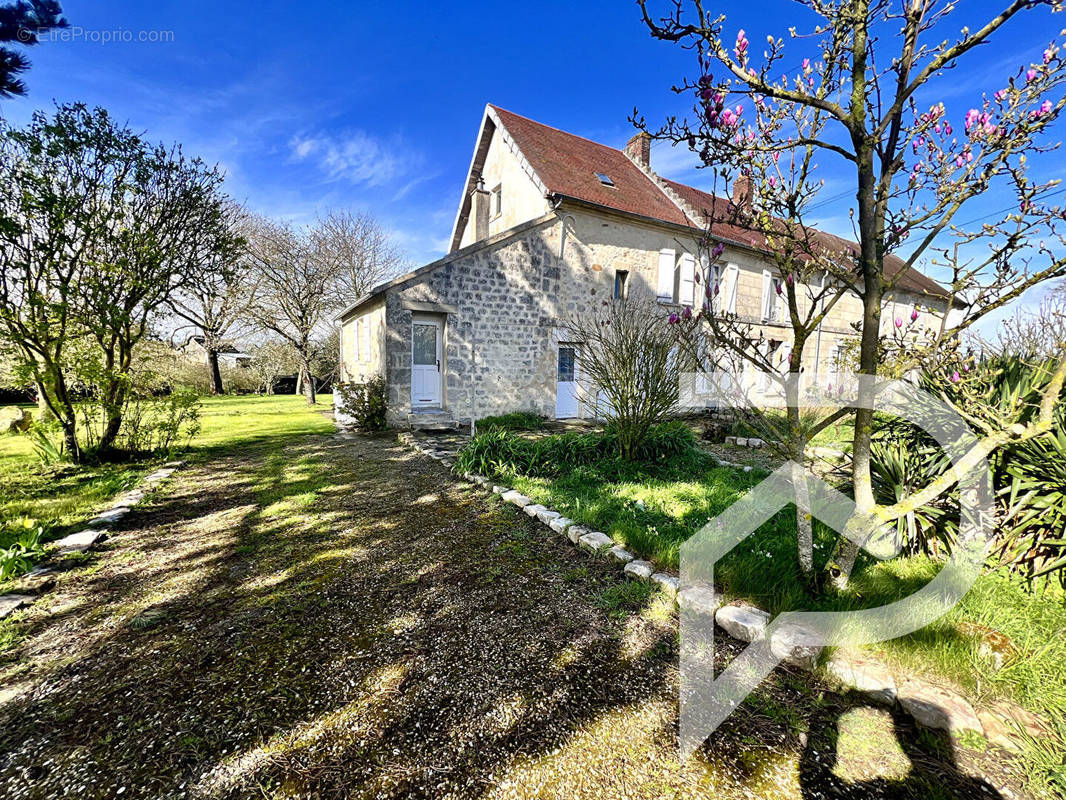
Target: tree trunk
{"x":44,"y":411}
{"x":308,"y":382}
{"x":212,"y":368}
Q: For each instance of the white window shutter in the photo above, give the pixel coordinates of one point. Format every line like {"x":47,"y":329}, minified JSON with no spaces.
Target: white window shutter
{"x":687,"y":288}
{"x":666,"y":275}
{"x":732,"y":278}
{"x":767,"y":293}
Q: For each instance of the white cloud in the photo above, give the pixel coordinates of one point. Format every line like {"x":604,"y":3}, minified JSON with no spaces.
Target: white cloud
{"x":356,"y":157}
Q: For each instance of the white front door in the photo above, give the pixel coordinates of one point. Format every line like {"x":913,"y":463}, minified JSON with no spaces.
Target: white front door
{"x":425,"y":363}
{"x":566,"y":390}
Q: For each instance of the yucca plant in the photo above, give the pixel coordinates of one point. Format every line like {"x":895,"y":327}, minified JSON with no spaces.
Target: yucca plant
{"x":1033,"y":536}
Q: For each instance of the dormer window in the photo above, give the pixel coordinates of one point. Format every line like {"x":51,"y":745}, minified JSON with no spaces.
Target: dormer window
{"x":604,"y":179}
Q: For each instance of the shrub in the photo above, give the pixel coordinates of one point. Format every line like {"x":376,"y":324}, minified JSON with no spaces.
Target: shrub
{"x":500,"y":451}
{"x":366,"y":403}
{"x":160,"y":424}
{"x":19,"y":556}
{"x":515,"y":421}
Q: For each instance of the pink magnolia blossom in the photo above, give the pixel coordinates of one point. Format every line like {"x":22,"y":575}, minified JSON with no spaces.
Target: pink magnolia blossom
{"x":899,"y":322}
{"x":914,"y":315}
{"x":1030,"y":74}
{"x":955,"y":377}
{"x":741,"y":46}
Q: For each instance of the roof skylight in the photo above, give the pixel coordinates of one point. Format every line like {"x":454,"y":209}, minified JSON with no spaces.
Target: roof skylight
{"x":604,"y":179}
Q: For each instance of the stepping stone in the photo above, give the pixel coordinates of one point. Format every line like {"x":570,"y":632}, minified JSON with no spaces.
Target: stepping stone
{"x":620,"y":554}
{"x":516,"y":497}
{"x":641,"y":570}
{"x":747,"y":469}
{"x":128,"y":499}
{"x":938,"y":708}
{"x":668,"y":583}
{"x":480,"y":480}
{"x":500,"y":489}
{"x":701,"y":599}
{"x":109,"y":517}
{"x":1004,"y":723}
{"x":534,"y":509}
{"x":731,"y":440}
{"x":863,"y":675}
{"x":79,"y":542}
{"x":596,"y":541}
{"x":575,"y":532}
{"x":176,"y":464}
{"x":560,"y":524}
{"x":546,"y":515}
{"x":10,"y":603}
{"x":746,"y":623}
{"x":742,"y":442}
{"x":790,"y":643}
{"x":42,"y":582}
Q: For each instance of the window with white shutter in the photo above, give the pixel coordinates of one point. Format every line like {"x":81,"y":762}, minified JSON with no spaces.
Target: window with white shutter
{"x":732,"y":278}
{"x":687,"y":284}
{"x":767,"y":294}
{"x":666,"y":275}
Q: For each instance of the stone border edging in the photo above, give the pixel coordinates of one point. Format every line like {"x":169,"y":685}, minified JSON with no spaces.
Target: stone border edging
{"x":41,"y":579}
{"x":930,"y":705}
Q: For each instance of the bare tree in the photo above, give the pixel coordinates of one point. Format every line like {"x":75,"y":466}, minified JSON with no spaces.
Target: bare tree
{"x":362,"y":250}
{"x":297,"y":289}
{"x":215,"y":301}
{"x":1037,"y":333}
{"x":867,"y":96}
{"x":269,"y":360}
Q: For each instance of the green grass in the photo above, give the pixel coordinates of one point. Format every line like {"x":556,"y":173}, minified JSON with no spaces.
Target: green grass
{"x":652,"y":513}
{"x":515,"y":421}
{"x":61,"y":497}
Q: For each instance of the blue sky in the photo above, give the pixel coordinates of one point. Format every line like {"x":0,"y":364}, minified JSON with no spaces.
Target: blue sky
{"x":375,"y":106}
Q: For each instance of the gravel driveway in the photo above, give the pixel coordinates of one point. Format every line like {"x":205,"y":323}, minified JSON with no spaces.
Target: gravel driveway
{"x":315,"y":617}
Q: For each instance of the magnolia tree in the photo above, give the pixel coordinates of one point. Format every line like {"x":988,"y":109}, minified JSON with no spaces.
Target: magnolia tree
{"x":860,"y":91}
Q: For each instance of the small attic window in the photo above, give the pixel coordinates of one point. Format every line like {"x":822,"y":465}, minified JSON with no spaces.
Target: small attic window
{"x":604,"y":179}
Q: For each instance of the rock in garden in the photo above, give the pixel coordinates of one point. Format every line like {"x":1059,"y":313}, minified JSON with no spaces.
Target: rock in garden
{"x":793,"y":645}
{"x":533,"y":509}
{"x":575,"y":532}
{"x":516,"y":497}
{"x":10,"y":603}
{"x":480,"y":480}
{"x":668,"y":583}
{"x":596,"y":541}
{"x":742,"y":441}
{"x":642,"y":570}
{"x":560,"y":524}
{"x":1004,"y":723}
{"x":80,"y":542}
{"x":701,"y":599}
{"x":40,"y":583}
{"x":938,"y":708}
{"x":109,"y":517}
{"x":863,"y":675}
{"x":746,"y":623}
{"x":546,"y":515}
{"x":128,"y":499}
{"x":176,"y":464}
{"x":14,"y":419}
{"x":500,"y":489}
{"x":731,"y":440}
{"x":620,"y":554}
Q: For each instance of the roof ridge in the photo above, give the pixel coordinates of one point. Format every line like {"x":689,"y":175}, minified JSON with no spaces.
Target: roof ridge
{"x":557,"y":130}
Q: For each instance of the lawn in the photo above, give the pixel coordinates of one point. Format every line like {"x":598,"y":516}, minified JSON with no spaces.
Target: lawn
{"x":653,"y":513}
{"x":59,"y":498}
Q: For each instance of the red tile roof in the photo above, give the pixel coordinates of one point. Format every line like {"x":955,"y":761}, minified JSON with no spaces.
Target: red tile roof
{"x":568,"y":165}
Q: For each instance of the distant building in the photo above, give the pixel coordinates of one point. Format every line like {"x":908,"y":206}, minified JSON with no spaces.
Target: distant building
{"x":229,"y":355}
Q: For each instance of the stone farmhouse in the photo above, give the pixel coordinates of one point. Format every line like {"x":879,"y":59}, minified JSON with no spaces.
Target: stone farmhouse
{"x":551,"y":224}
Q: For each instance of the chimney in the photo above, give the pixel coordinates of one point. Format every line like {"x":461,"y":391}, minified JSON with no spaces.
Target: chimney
{"x":639,"y":149}
{"x":743,"y":193}
{"x":479,"y":204}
